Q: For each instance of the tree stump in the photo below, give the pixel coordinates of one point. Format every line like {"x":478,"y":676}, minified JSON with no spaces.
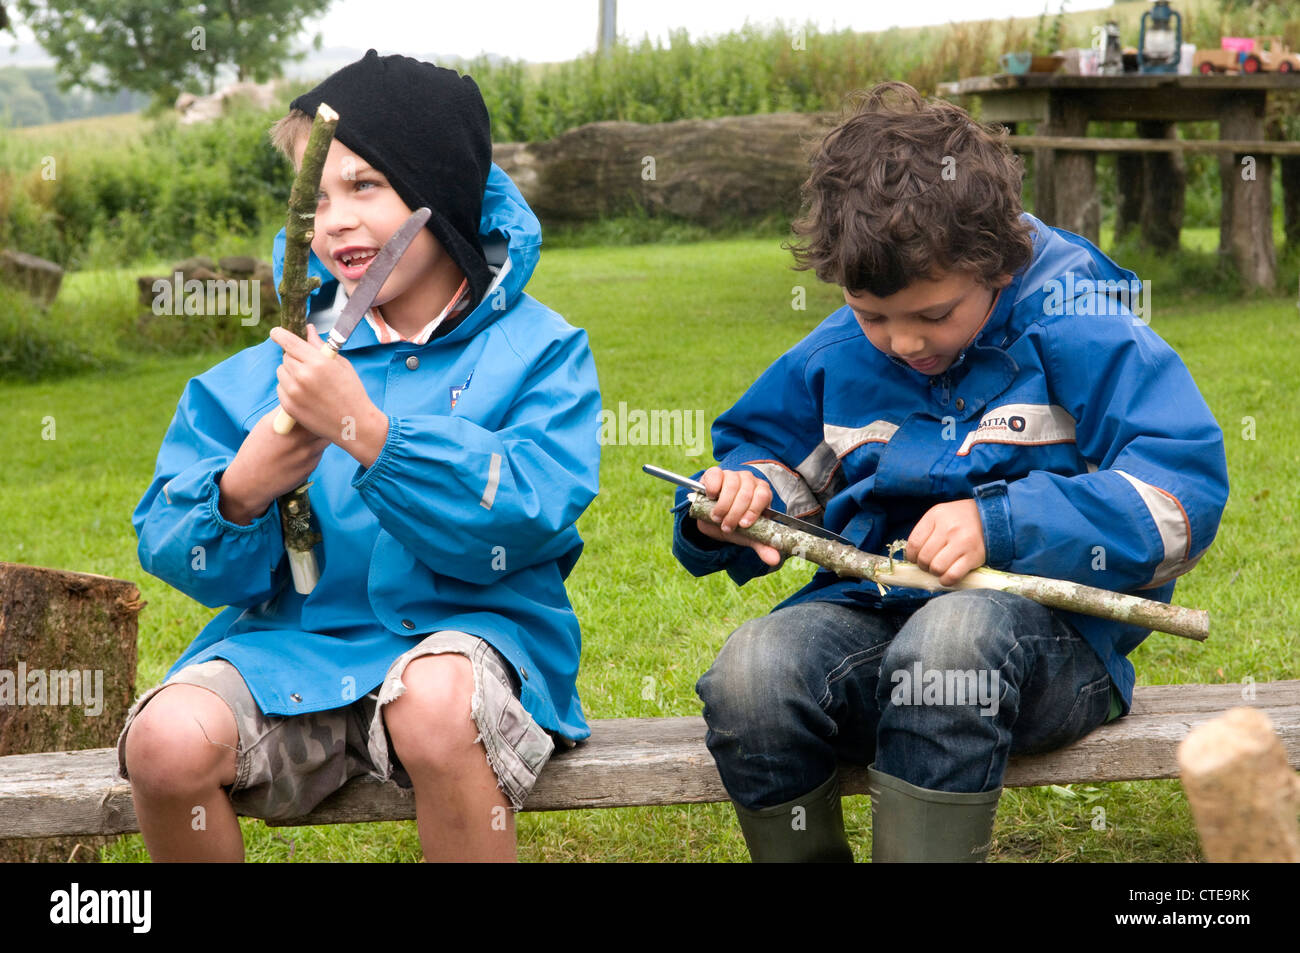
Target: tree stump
{"x":1243,"y":795}
{"x":67,"y":675}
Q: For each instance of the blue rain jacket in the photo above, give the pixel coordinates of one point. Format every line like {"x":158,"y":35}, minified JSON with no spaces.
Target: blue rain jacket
{"x":465,"y":521}
{"x":1079,"y":433}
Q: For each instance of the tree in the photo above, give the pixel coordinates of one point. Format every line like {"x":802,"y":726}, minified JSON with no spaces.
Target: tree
{"x":163,"y":46}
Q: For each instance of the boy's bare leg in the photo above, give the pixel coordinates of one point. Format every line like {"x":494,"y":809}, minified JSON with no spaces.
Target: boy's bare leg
{"x":460,"y":812}
{"x":179,"y":752}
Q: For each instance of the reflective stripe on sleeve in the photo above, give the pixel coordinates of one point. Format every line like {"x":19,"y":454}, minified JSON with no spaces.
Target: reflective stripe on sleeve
{"x":818,"y":468}
{"x":494,"y":477}
{"x":1174,"y":528}
{"x":799,"y":500}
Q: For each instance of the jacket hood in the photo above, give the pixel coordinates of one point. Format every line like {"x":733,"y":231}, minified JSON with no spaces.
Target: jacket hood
{"x":1063,"y":269}
{"x":511,"y":237}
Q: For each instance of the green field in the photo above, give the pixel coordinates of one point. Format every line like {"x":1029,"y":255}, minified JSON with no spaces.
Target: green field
{"x":689,"y":327}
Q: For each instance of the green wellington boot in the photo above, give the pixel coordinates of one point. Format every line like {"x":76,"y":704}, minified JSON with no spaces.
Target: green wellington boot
{"x":917,"y":825}
{"x":806,"y":830}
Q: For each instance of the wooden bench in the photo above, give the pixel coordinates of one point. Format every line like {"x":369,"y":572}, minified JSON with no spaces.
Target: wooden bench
{"x":647,"y":761}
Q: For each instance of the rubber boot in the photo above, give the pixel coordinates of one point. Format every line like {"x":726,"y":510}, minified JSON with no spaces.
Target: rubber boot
{"x":808,"y":829}
{"x":917,"y":825}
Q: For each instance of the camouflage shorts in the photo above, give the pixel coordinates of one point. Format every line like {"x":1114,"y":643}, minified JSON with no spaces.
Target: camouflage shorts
{"x":286,"y":765}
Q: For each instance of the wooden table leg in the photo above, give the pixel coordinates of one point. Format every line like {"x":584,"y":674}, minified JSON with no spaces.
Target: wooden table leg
{"x":1164,"y":178}
{"x":1065,"y":192}
{"x":1246,"y":226}
{"x":1128,"y":188}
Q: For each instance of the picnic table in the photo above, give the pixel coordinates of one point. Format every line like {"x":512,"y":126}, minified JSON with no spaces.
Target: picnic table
{"x":1150,"y":173}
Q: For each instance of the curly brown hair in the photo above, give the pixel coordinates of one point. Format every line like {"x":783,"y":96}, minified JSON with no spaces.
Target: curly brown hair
{"x":903,"y":189}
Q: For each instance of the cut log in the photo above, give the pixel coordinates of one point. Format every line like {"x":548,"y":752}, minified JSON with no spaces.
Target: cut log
{"x":1243,"y":794}
{"x":67,"y":673}
{"x":702,"y":170}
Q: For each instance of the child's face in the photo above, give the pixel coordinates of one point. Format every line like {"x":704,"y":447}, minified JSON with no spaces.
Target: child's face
{"x":357,"y":211}
{"x":928,"y":323}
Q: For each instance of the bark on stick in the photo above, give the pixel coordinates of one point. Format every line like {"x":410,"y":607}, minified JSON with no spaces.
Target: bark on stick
{"x":1243,"y":794}
{"x":295,"y":287}
{"x":1055,"y":593}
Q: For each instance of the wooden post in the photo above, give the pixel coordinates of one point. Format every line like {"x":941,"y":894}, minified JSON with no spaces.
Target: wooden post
{"x":1291,"y":198}
{"x":1246,"y":226}
{"x":1128,"y":188}
{"x":67,"y":675}
{"x":1164,"y":182}
{"x":1065,"y":182}
{"x":1243,"y":795}
{"x":1289,"y":170}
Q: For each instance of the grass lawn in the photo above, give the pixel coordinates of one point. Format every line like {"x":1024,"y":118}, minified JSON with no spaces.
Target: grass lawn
{"x":689,"y":327}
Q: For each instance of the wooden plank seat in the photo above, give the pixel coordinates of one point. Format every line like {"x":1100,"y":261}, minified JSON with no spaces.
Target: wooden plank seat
{"x":648,"y":761}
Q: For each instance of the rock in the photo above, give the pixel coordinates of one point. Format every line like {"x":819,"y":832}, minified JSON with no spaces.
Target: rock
{"x":265,"y":275}
{"x":239,"y":266}
{"x":190,"y":264}
{"x":202,"y":268}
{"x":36,"y":276}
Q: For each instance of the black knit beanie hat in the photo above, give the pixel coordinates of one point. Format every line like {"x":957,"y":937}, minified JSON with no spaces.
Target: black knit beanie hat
{"x":425,"y":128}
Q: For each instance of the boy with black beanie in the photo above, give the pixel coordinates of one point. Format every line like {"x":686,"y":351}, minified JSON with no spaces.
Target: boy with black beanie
{"x":450,"y":452}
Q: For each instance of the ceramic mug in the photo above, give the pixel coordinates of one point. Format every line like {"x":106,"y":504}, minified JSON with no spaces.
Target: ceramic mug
{"x":1016,"y":63}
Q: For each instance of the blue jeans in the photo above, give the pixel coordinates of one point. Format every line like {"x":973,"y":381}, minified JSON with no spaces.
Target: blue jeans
{"x":938,"y":696}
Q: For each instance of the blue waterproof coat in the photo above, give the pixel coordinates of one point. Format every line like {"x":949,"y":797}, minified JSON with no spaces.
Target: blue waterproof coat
{"x":1079,"y":433}
{"x":465,"y":521}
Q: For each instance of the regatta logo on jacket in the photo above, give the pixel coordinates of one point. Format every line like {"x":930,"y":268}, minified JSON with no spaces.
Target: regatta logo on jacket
{"x":1026,"y":424}
{"x":456,"y":391}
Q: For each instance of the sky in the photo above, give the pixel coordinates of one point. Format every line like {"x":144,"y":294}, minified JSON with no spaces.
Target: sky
{"x":550,"y":30}
{"x":562,"y":29}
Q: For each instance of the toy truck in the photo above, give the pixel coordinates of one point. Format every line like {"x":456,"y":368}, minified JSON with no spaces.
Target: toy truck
{"x":1247,"y":55}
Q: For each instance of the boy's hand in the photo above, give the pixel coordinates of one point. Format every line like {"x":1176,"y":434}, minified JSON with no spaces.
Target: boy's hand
{"x":740,"y":498}
{"x":948,"y":541}
{"x":266,"y":467}
{"x":325,"y":395}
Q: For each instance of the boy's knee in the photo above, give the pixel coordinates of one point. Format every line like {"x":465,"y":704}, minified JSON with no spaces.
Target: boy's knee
{"x":958,"y":630}
{"x":431,"y":722}
{"x":185,"y":739}
{"x":755,"y":672}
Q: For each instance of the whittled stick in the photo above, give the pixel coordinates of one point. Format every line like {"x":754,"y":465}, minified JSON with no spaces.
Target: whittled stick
{"x":295,"y":286}
{"x":300,"y":226}
{"x":1054,"y":593}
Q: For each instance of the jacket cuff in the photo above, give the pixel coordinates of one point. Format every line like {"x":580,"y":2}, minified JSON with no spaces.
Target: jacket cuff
{"x":695,"y":551}
{"x":212,"y":488}
{"x":995,"y":514}
{"x":364,"y":474}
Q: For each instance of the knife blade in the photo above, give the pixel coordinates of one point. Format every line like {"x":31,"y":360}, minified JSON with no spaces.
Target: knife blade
{"x":769,"y":513}
{"x":373,"y":280}
{"x":367,"y":291}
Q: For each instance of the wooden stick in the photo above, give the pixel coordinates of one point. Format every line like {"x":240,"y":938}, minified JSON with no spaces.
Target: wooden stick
{"x":1243,"y":795}
{"x":299,"y":229}
{"x":295,"y":287}
{"x":1055,"y":593}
